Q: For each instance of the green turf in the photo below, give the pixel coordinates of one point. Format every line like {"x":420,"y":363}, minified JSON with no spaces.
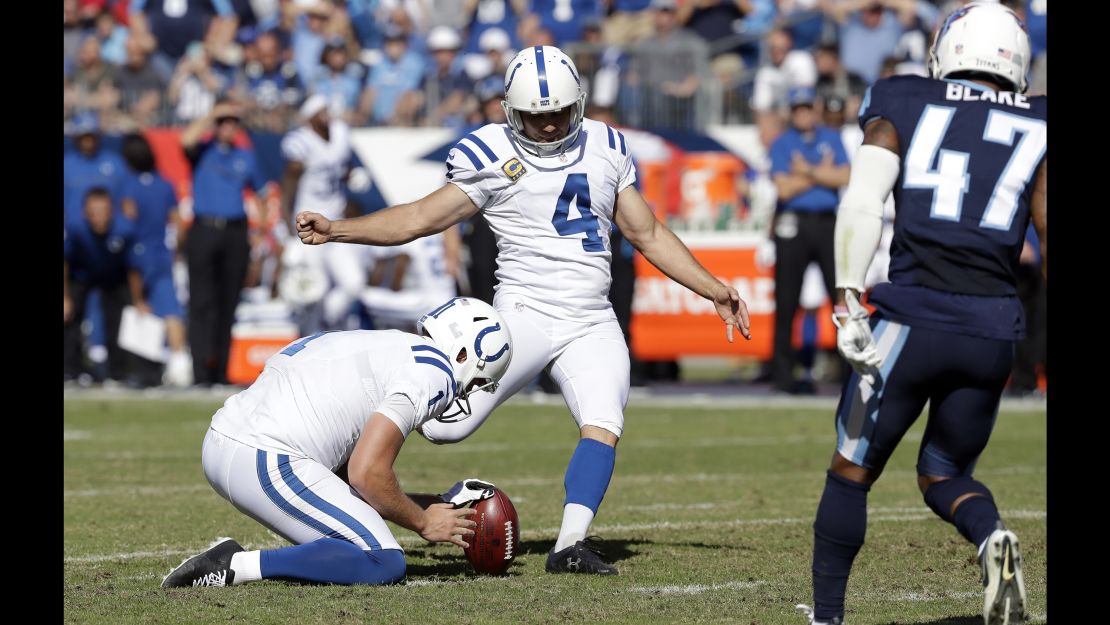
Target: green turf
{"x":708,"y":518}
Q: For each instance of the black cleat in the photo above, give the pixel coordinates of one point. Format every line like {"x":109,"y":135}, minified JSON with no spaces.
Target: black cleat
{"x":210,"y":568}
{"x":583,"y":556}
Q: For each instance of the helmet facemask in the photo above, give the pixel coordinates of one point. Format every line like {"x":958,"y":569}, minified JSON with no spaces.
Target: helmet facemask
{"x":516,"y":123}
{"x":462,"y":327}
{"x":542,"y":79}
{"x":462,"y":401}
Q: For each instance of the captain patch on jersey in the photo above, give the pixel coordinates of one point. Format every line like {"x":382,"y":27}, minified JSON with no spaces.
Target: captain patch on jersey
{"x":513,"y":169}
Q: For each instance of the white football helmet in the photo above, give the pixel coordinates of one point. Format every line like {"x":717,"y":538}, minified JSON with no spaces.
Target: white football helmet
{"x":540,"y":79}
{"x":472,"y":330}
{"x":982,"y":37}
{"x":303,"y":280}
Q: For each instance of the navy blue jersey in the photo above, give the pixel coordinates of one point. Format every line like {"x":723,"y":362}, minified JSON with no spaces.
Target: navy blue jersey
{"x":177,"y":23}
{"x":271,"y":89}
{"x":99,"y":259}
{"x":969,"y":157}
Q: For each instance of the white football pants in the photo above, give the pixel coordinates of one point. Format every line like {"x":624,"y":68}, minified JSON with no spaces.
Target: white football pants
{"x":298,"y":498}
{"x":589,"y":362}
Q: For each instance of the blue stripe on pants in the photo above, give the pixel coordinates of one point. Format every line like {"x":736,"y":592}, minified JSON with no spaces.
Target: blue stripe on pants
{"x":857,"y":414}
{"x":314,"y":500}
{"x":279,"y":501}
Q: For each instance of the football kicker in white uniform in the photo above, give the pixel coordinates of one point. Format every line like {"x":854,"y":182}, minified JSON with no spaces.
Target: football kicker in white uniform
{"x":318,"y":159}
{"x":551,"y":185}
{"x":344,"y":402}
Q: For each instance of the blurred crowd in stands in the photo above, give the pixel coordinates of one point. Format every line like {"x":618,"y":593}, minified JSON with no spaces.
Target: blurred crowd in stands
{"x":224,"y":66}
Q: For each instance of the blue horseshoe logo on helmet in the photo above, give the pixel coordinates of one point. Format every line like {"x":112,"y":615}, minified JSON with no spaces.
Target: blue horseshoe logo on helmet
{"x":478,"y":344}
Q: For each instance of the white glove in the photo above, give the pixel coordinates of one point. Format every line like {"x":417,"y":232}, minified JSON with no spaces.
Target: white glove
{"x":765,"y":254}
{"x":468,"y":491}
{"x":854,"y":340}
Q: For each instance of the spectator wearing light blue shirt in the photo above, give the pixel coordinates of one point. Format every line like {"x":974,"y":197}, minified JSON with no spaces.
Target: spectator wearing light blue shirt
{"x":113,"y":39}
{"x":870,"y":31}
{"x":339,"y":80}
{"x":309,"y":39}
{"x":396,"y":76}
{"x":446,"y":87}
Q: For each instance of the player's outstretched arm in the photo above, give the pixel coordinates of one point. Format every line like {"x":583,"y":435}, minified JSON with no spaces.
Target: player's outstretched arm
{"x":395,"y":225}
{"x":1039,"y":209}
{"x":371,"y":474}
{"x":664,"y":250}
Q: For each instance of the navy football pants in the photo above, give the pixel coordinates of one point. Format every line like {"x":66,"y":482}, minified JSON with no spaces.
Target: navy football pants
{"x":960,"y":376}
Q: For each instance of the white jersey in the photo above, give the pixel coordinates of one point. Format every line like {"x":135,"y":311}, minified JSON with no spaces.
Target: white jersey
{"x":551,"y":216}
{"x":427,"y":270}
{"x":424,"y":286}
{"x":325,"y":165}
{"x":315,"y":395}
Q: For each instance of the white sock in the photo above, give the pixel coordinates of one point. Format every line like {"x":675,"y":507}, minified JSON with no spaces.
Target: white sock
{"x":247,"y":566}
{"x":576,"y":522}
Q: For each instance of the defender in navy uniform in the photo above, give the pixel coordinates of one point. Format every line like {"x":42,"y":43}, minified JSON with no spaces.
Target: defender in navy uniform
{"x":965,"y":155}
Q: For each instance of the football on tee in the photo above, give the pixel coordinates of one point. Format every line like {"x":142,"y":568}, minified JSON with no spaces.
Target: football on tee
{"x":497,"y":536}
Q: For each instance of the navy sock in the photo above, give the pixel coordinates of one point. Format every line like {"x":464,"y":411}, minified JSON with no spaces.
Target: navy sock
{"x":589,"y":472}
{"x":333,"y":561}
{"x":975,"y":518}
{"x":838,"y":534}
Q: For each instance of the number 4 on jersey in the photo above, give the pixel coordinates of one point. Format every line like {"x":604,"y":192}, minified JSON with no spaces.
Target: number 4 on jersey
{"x":577,"y":187}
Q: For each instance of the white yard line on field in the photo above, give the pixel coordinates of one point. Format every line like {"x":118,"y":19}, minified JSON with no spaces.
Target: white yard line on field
{"x":641,"y":478}
{"x":695,"y":589}
{"x":123,"y":491}
{"x":720,"y":396}
{"x":619,"y":528}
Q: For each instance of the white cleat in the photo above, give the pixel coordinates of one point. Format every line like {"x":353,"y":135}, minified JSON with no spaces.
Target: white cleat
{"x":1004,"y":602}
{"x":808,"y":613}
{"x":179,"y":370}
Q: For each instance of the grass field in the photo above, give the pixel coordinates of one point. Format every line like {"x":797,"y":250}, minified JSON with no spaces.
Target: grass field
{"x":708,"y":518}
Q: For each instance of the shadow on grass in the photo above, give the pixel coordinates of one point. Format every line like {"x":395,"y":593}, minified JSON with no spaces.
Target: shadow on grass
{"x":453,"y":566}
{"x":612,"y":550}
